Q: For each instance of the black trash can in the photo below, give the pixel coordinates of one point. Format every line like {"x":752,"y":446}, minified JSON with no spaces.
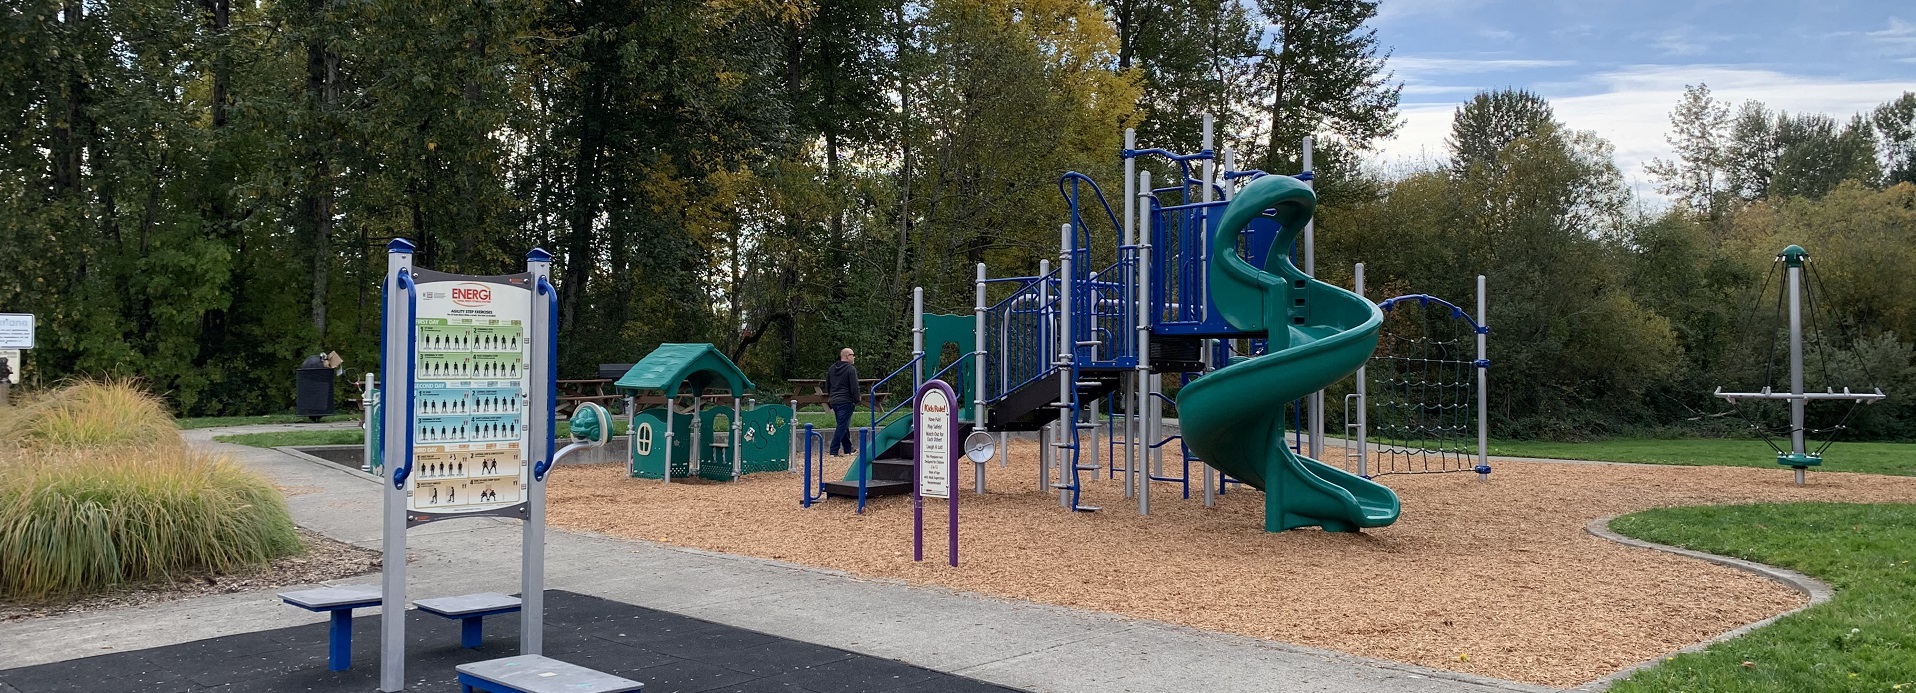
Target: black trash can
{"x":313,"y":396}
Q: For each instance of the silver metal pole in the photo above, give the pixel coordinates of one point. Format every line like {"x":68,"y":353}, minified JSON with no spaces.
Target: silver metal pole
{"x":791,"y":437}
{"x":669,"y":411}
{"x":1483,"y":382}
{"x":1230,"y":166}
{"x":1067,"y":371}
{"x":1141,"y":482}
{"x":366,"y":423}
{"x":1315,"y":405}
{"x":917,"y":338}
{"x":1132,"y":430}
{"x":978,"y":371}
{"x":1797,"y":443}
{"x":1363,"y":392}
{"x":532,"y":548}
{"x":398,"y":402}
{"x":736,"y":438}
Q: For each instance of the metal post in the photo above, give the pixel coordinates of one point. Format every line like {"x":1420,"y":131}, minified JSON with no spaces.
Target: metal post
{"x":365,"y":422}
{"x":791,"y":442}
{"x":1140,"y":481}
{"x":1316,"y":401}
{"x":669,"y":411}
{"x":1483,"y":383}
{"x":532,"y":548}
{"x":1131,"y":215}
{"x":396,"y":365}
{"x":1230,"y":166}
{"x":1067,"y":373}
{"x":1797,"y":445}
{"x":917,"y":337}
{"x":978,"y":371}
{"x":737,"y":438}
{"x":1363,"y":387}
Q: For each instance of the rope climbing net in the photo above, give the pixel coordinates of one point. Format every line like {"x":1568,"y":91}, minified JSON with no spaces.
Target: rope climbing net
{"x":1424,"y":391}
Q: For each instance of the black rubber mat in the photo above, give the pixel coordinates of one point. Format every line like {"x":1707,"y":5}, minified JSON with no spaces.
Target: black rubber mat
{"x":668,"y":652}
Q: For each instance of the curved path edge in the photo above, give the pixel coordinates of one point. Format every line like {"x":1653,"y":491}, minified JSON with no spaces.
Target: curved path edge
{"x":1818,"y":592}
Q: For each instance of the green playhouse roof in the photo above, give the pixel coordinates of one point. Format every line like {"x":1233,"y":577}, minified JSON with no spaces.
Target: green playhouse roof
{"x":672,"y":365}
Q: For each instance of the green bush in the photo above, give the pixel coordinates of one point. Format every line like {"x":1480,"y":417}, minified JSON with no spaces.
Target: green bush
{"x":92,"y":495}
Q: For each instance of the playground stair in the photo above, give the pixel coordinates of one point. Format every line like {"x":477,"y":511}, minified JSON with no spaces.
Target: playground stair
{"x":892,"y":471}
{"x":1031,"y":407}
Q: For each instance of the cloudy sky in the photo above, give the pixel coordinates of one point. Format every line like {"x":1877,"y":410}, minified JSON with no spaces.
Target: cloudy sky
{"x":1619,"y":66}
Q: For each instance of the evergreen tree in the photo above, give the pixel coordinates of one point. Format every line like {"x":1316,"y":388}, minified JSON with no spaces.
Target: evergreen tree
{"x":1322,"y":72}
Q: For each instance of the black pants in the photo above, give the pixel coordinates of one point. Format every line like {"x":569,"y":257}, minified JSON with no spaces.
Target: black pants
{"x":842,"y":438}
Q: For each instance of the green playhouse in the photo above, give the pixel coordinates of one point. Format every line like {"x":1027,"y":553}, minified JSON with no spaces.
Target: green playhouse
{"x":690,"y":436}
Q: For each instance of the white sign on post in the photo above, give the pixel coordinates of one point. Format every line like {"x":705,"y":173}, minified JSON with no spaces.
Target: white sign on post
{"x":16,"y":330}
{"x":934,"y":444}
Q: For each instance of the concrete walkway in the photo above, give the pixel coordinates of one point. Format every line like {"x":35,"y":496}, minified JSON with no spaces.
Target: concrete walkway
{"x":1035,"y":647}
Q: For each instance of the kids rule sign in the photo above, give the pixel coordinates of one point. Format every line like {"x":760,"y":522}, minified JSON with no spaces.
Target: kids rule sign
{"x":936,"y":420}
{"x":471,"y":438}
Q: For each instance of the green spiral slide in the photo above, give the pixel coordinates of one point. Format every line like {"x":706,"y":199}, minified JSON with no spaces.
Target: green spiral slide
{"x":1233,"y":418}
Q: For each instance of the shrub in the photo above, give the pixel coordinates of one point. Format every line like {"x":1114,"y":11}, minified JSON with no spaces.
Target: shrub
{"x":97,"y":489}
{"x":90,"y":414}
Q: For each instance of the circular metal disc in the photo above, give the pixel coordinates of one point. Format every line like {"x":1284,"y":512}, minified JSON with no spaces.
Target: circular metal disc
{"x":980,"y":446}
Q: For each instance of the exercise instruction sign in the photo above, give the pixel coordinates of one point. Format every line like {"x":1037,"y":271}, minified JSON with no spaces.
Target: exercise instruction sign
{"x":471,"y":439}
{"x":16,"y":330}
{"x":936,"y":422}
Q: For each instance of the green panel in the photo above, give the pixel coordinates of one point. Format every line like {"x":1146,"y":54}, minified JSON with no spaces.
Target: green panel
{"x":962,"y":331}
{"x":768,"y":438}
{"x":1319,"y":334}
{"x":649,"y":454}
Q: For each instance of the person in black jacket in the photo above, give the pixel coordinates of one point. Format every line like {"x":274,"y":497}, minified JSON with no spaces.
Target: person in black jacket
{"x":841,"y":394}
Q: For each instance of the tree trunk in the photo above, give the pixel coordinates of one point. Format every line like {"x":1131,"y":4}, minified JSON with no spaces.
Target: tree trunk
{"x":322,"y":93}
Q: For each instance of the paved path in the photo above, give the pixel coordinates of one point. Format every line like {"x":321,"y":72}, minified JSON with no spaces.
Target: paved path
{"x":1035,"y":647}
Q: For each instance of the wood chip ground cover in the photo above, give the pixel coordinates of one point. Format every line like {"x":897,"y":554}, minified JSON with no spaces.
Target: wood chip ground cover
{"x":1497,"y":578}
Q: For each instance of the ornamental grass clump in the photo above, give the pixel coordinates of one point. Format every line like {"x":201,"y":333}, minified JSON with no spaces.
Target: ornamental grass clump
{"x":90,"y":414}
{"x":91,"y":498}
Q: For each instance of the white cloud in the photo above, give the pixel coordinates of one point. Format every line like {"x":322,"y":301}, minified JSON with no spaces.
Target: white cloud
{"x":1395,"y":10}
{"x":1458,"y":66}
{"x":1631,"y":107}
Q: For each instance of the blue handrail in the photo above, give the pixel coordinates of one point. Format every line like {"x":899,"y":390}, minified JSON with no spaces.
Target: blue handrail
{"x":1426,"y":299}
{"x":405,"y":282}
{"x":1077,"y":219}
{"x":540,"y":468}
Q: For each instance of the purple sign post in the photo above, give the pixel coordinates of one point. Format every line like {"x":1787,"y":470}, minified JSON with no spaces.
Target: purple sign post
{"x":937,"y":460}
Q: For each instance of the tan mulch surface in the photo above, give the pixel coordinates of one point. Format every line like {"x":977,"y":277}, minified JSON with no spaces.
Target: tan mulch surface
{"x":1496,"y":579}
{"x":324,"y":559}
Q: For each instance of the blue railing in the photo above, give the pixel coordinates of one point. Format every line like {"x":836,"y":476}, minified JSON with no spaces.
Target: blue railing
{"x":1019,"y":334}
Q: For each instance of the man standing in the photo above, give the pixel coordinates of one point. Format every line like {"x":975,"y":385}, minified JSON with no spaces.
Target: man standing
{"x":841,"y":394}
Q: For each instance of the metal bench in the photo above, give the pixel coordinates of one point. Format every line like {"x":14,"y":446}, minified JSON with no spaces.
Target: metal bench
{"x":471,"y":611}
{"x":340,"y":602}
{"x":536,"y":674}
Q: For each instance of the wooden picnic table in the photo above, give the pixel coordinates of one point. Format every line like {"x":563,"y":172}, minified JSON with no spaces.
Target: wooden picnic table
{"x":808,"y":391}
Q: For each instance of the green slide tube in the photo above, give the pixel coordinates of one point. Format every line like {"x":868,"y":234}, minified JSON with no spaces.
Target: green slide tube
{"x":1233,"y":418}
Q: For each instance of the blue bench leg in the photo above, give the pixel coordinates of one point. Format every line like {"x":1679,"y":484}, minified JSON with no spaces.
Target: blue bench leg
{"x":469,"y":632}
{"x":340,"y":650}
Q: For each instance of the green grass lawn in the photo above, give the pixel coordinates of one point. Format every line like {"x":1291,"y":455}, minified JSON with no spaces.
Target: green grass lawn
{"x":1871,"y":458}
{"x":1860,"y":641}
{"x":212,"y":421}
{"x":285,"y":438}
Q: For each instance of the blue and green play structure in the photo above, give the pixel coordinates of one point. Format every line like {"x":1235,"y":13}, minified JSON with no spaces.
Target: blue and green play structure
{"x":690,"y":437}
{"x":1193,"y":284}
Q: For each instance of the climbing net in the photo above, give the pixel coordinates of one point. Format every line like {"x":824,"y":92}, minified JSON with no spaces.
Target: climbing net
{"x":1423,"y":389}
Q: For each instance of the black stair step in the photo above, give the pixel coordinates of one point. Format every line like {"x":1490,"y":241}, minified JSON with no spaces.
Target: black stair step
{"x":893,"y":469}
{"x":873,"y":487}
